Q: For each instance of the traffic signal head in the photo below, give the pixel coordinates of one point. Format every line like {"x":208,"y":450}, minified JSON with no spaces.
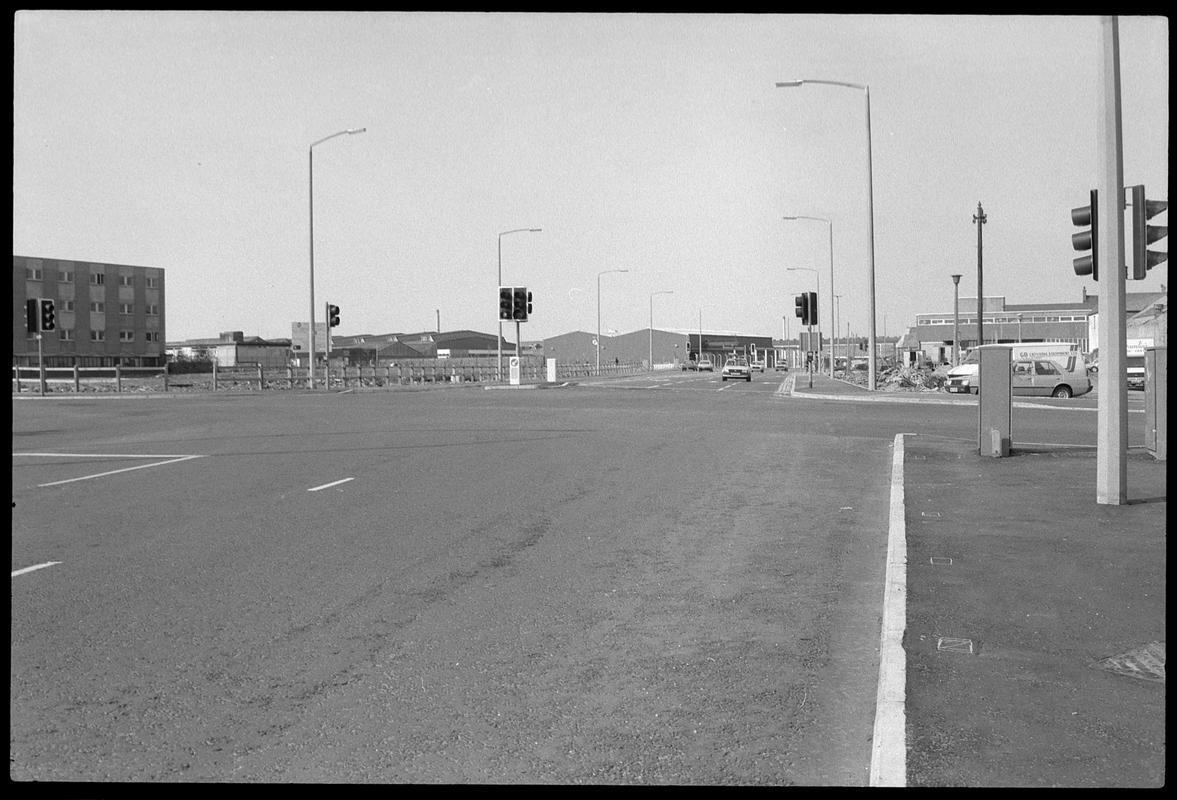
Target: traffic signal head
{"x":505,"y":302}
{"x":1089,"y":239}
{"x":519,"y":304}
{"x":1144,"y":234}
{"x":529,"y":304}
{"x":33,"y":314}
{"x":332,"y":315}
{"x":812,"y":307}
{"x":802,"y":304}
{"x":48,"y":317}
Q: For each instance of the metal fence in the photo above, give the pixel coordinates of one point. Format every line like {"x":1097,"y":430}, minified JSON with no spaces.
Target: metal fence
{"x":418,"y":372}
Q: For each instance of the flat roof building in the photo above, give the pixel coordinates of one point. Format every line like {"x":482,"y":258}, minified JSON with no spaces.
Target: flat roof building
{"x":105,"y":313}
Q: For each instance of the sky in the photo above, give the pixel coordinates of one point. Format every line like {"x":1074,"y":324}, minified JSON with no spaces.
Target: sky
{"x":653,"y":143}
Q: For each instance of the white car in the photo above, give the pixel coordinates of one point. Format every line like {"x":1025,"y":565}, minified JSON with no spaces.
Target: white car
{"x":759,"y":366}
{"x":737,"y":367}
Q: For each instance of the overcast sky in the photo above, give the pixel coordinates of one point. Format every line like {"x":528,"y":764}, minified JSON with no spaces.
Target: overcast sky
{"x":654,"y":143}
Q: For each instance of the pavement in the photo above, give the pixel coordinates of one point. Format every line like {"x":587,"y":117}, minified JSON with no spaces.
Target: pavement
{"x":1034,"y":640}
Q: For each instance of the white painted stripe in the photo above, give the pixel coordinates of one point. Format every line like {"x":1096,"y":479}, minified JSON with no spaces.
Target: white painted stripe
{"x":16,"y":572}
{"x":329,"y":485}
{"x":173,"y":460}
{"x":102,"y":455}
{"x":889,"y":745}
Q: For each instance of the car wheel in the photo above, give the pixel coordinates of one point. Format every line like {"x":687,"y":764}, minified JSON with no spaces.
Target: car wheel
{"x":1062,"y":391}
{"x":749,"y":379}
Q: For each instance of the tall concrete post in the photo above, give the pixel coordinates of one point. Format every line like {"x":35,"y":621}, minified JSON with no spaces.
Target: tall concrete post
{"x":1111,"y":467}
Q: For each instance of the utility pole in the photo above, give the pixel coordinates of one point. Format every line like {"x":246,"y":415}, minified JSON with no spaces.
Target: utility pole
{"x":1111,"y":460}
{"x":980,"y":219}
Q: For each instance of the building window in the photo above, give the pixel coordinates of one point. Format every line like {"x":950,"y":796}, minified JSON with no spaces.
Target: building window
{"x":98,"y":336}
{"x":126,"y":309}
{"x":151,"y":336}
{"x":152,"y":283}
{"x":32,"y":273}
{"x":65,"y":276}
{"x":97,"y":279}
{"x":98,"y":307}
{"x":126,"y":336}
{"x":67,"y":305}
{"x":152,"y":310}
{"x":66,"y":334}
{"x":126,"y":280}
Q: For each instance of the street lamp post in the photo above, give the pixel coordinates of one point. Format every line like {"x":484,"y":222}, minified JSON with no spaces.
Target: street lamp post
{"x":1019,"y":328}
{"x":834,"y":340}
{"x":832,"y":320}
{"x":311,"y":194}
{"x":870,"y":209}
{"x":499,"y":363}
{"x":665,"y":291}
{"x":599,"y":274}
{"x":955,"y":320}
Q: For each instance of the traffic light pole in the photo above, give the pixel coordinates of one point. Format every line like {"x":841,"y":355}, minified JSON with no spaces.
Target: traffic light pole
{"x":1111,"y":467}
{"x":809,"y":329}
{"x":40,"y":363}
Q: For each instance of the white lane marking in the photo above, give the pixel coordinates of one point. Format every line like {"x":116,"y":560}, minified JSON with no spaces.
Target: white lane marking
{"x":16,"y":572}
{"x":168,"y":460}
{"x":888,"y":765}
{"x":329,"y":485}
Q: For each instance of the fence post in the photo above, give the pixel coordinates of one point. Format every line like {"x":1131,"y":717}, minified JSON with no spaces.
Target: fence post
{"x":77,"y":377}
{"x":214,"y":375}
{"x":165,"y":373}
{"x":118,"y":374}
{"x":261,"y":378}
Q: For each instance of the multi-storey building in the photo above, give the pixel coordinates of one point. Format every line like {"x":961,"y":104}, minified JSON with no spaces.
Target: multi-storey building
{"x":106,"y":313}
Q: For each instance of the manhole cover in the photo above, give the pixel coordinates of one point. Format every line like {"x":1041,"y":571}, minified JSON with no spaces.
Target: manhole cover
{"x":1146,"y":663}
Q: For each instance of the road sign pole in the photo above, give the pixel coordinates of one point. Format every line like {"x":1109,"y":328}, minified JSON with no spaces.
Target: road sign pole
{"x":41,"y":363}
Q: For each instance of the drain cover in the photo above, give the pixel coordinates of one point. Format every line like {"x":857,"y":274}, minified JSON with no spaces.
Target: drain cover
{"x":1146,"y":662}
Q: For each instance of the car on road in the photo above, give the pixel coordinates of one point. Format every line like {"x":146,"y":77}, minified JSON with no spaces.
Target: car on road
{"x":1045,"y":378}
{"x":705,"y":365}
{"x":737,"y":367}
{"x":758,"y":366}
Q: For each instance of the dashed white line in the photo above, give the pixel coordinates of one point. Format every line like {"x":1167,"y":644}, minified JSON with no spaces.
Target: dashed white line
{"x":329,"y":485}
{"x":16,"y":572}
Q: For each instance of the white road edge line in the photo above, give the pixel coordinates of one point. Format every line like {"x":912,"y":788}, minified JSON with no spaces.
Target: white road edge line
{"x":888,"y":766}
{"x":329,"y":485}
{"x":171,"y":460}
{"x":16,"y":572}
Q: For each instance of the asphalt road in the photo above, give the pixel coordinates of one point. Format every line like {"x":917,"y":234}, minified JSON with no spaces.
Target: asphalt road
{"x":662,"y":579}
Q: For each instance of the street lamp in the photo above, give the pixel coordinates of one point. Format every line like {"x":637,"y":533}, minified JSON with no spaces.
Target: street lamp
{"x":955,"y":320}
{"x":833,"y":320}
{"x":599,"y":274}
{"x":1019,"y":327}
{"x":311,"y":186}
{"x":870,"y":209}
{"x":817,"y":275}
{"x":834,"y":340}
{"x":665,"y":291}
{"x":499,"y":363}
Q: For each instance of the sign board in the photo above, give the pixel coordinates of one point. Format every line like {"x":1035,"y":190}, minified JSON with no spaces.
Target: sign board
{"x":300,"y":336}
{"x":551,"y":370}
{"x":811,"y":342}
{"x":514,"y":370}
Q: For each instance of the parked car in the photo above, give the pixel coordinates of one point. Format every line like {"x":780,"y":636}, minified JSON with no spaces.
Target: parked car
{"x":1045,"y":378}
{"x":758,"y":366}
{"x":705,"y":365}
{"x":737,"y":367}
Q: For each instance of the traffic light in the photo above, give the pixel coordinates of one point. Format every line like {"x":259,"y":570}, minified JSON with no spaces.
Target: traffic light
{"x":33,"y":314}
{"x":505,"y":302}
{"x":1087,"y":240}
{"x":519,"y":304}
{"x":802,"y":304}
{"x":529,"y":304}
{"x":48,"y":318}
{"x":1144,"y":234}
{"x":332,"y":315}
{"x":812,"y":304}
